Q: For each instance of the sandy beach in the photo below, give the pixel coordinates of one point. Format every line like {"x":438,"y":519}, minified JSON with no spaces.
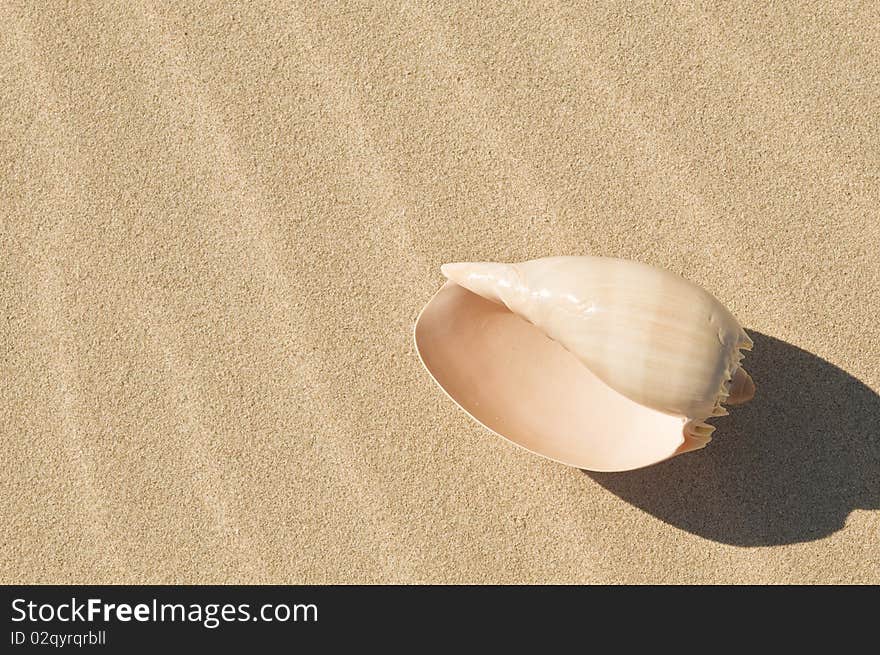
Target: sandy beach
{"x":219,"y":223}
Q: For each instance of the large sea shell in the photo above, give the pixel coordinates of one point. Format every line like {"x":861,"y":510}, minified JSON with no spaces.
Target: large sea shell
{"x":604,"y":364}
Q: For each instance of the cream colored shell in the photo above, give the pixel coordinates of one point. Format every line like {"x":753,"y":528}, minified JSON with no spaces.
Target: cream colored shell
{"x":647,"y":333}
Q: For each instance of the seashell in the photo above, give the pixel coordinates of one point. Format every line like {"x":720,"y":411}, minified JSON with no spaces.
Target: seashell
{"x":599,"y":363}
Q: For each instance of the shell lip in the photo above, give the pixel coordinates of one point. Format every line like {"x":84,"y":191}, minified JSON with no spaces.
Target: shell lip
{"x":683,"y":444}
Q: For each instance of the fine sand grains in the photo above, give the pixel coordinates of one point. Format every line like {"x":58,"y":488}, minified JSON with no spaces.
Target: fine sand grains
{"x":219,"y":222}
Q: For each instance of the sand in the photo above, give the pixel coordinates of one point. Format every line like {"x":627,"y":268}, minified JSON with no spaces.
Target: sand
{"x":220,"y":222}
